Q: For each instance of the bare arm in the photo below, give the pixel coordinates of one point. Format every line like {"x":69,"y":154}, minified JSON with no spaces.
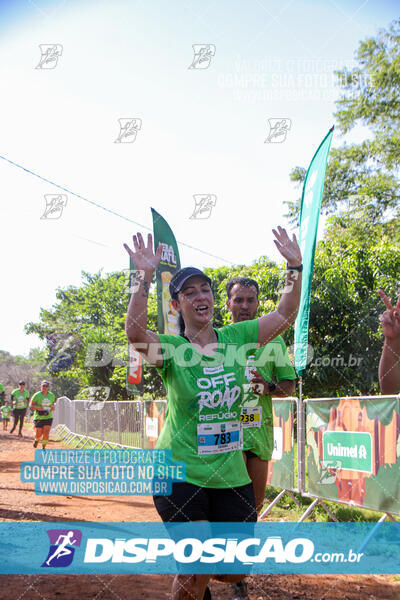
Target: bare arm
{"x":34,"y":406}
{"x":389,"y":366}
{"x":145,"y":341}
{"x":284,"y":388}
{"x":269,"y":326}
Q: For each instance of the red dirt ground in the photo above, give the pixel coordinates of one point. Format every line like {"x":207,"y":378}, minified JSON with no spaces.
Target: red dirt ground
{"x":18,"y":502}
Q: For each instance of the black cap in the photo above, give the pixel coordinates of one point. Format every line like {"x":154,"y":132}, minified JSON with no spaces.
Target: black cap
{"x":21,"y":383}
{"x":183,"y":275}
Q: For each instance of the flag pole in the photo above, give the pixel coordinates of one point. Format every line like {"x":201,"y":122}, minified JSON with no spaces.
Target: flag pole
{"x":300,"y":439}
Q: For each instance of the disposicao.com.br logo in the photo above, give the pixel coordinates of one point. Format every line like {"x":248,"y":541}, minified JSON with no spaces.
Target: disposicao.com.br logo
{"x":192,"y":550}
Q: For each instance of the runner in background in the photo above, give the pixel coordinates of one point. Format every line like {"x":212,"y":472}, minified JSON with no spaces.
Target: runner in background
{"x":275,"y":376}
{"x":389,"y":366}
{"x":5,"y":415}
{"x":204,"y":393}
{"x":2,"y":396}
{"x":19,"y":399}
{"x":42,"y":403}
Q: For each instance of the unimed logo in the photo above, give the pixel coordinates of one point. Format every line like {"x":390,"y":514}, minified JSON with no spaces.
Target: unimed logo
{"x":62,"y":547}
{"x":191,"y":550}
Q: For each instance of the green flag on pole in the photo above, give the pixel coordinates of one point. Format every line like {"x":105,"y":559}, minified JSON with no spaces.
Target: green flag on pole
{"x":309,"y":216}
{"x":167,"y":317}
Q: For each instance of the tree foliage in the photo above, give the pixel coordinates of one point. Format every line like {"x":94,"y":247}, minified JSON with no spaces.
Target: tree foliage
{"x":344,"y":328}
{"x":365,"y":176}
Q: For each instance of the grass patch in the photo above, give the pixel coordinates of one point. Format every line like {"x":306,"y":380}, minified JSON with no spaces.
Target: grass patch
{"x":128,"y":438}
{"x":287,"y":510}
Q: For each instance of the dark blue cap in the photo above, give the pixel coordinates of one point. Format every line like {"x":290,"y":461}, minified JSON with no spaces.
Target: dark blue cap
{"x":183,"y":275}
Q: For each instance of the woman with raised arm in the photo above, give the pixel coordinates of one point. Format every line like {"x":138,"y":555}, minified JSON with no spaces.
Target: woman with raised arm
{"x":203,"y":370}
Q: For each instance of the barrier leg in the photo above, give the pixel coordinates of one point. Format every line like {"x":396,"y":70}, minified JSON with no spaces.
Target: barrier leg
{"x":271,"y":506}
{"x":293,"y":498}
{"x":309,"y":510}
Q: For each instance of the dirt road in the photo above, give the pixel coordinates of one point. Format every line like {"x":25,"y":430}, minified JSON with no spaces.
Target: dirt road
{"x":18,"y":502}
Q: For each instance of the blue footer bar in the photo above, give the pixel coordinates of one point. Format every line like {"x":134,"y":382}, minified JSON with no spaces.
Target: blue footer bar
{"x":216,"y":548}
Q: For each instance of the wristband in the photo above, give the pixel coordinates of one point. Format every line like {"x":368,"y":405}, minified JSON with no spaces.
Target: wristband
{"x":297,"y":268}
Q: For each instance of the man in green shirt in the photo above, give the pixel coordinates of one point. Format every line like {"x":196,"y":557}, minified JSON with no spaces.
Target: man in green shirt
{"x":2,"y":394}
{"x":265,"y":365}
{"x":42,"y":403}
{"x":19,"y":400}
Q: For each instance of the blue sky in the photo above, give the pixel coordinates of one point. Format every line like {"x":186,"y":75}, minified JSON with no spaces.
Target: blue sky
{"x":202,"y":130}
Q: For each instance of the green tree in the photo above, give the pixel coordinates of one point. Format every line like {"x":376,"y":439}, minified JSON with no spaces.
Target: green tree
{"x":344,"y":328}
{"x":85,"y":337}
{"x":364,"y":178}
{"x":32,"y":370}
{"x":83,"y":316}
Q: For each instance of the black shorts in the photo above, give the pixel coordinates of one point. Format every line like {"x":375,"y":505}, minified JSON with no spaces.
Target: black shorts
{"x":189,"y":502}
{"x":42,"y":422}
{"x":250,"y":454}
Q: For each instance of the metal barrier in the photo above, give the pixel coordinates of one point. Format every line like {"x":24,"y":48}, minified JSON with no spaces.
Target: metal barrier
{"x":353,"y":452}
{"x":352,"y":449}
{"x":372,"y":420}
{"x":134,"y":424}
{"x":281,"y":468}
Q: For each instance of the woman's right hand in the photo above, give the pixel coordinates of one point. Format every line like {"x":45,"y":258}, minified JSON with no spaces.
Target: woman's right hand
{"x":144,"y":258}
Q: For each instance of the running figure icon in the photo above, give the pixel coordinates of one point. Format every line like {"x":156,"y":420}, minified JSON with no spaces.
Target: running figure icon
{"x":62,"y":549}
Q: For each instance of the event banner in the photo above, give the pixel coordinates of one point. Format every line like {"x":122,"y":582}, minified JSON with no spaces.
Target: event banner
{"x":134,"y":370}
{"x":353,"y":451}
{"x":201,"y":547}
{"x":281,"y":466}
{"x":309,"y":216}
{"x":167,"y":317}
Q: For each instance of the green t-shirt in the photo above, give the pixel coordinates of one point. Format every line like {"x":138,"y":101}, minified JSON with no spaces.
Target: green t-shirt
{"x":272,"y":362}
{"x":204,"y":393}
{"x":46,"y":402}
{"x":5,"y":412}
{"x":20,"y":398}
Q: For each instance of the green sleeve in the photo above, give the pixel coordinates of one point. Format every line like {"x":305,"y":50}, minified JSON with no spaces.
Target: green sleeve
{"x":34,"y":397}
{"x":283,"y":369}
{"x":168,"y":344}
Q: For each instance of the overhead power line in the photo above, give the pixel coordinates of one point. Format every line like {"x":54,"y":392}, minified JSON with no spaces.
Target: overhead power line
{"x":101,"y":207}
